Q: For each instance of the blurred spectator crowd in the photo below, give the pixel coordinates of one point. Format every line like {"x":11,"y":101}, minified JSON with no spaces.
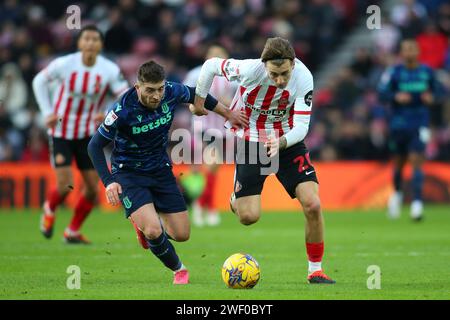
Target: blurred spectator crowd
{"x":348,"y":120}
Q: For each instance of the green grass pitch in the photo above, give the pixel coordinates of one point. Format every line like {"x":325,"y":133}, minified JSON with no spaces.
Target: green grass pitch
{"x":414,"y":258}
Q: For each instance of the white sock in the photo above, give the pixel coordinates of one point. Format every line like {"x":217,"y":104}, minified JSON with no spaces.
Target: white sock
{"x":183,"y":267}
{"x":314,"y":266}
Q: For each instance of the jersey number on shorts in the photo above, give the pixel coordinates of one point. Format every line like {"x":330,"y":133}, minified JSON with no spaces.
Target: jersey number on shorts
{"x":301,"y":162}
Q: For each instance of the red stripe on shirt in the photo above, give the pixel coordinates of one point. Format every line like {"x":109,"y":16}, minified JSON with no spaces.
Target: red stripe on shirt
{"x":223,"y":70}
{"x":241,"y":92}
{"x":100,"y":101}
{"x":98,"y":81}
{"x":73,"y":78}
{"x":81,"y":104}
{"x":262,"y":118}
{"x":302,"y":112}
{"x":58,"y":103}
{"x":282,"y":104}
{"x":251,"y":98}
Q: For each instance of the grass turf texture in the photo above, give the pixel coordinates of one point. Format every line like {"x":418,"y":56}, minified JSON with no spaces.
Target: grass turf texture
{"x":414,"y":258}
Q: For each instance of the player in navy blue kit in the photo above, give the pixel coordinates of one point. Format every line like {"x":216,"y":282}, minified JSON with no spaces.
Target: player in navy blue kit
{"x":410,"y":89}
{"x":141,"y":172}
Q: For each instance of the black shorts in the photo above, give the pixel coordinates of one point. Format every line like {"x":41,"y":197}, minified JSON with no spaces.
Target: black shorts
{"x":402,"y":142}
{"x":62,"y":152}
{"x":294,"y":167}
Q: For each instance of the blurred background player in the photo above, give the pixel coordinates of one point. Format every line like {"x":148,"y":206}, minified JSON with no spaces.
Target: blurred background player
{"x":72,"y":113}
{"x":141,"y":172}
{"x":275,"y":92}
{"x":208,"y":128}
{"x":410,"y":89}
{"x":192,"y":184}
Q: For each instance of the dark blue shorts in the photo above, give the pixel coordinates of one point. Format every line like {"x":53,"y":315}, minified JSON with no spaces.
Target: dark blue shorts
{"x":159,"y":188}
{"x":403,"y":142}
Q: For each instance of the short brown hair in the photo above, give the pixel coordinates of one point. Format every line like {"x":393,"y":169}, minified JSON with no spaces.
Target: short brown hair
{"x":277,"y":49}
{"x":152,"y":72}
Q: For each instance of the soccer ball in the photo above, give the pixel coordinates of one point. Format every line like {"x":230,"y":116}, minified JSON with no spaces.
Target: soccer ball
{"x":240,"y":271}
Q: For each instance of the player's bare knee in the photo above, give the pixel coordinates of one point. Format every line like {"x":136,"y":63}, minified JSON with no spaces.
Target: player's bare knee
{"x":91,"y":194}
{"x":248,"y":217}
{"x":64,"y":189}
{"x":182,"y":236}
{"x":312,"y":208}
{"x":152,"y":232}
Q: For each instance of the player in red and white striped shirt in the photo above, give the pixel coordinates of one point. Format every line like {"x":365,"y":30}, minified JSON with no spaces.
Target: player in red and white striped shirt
{"x":72,"y":112}
{"x":276,"y":94}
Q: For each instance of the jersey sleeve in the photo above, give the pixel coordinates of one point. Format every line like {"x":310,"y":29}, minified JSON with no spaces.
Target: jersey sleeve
{"x":239,"y":70}
{"x":181,"y":92}
{"x":186,"y":94}
{"x":302,"y":110}
{"x":231,"y":69}
{"x":40,"y":84}
{"x":117,"y":83}
{"x":109,"y":126}
{"x":56,"y":68}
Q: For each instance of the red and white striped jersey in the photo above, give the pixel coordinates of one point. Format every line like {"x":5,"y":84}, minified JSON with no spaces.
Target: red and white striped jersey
{"x":79,"y":95}
{"x":222,"y":90}
{"x":270,"y":110}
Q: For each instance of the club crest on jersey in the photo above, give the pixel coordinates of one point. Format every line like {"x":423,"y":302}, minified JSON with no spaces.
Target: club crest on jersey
{"x":127,"y":202}
{"x":110,"y":118}
{"x":165,"y":108}
{"x":230,"y":69}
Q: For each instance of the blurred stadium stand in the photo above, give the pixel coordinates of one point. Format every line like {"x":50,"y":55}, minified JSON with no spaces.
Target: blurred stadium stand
{"x":346,"y":114}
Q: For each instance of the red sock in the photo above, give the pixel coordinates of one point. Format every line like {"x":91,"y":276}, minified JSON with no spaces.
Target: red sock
{"x":206,"y":199}
{"x":82,"y":210}
{"x":314,"y":251}
{"x":54,"y":199}
{"x":210,"y":184}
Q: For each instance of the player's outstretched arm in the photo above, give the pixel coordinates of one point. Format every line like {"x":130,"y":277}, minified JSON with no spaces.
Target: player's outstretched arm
{"x":42,"y":95}
{"x":198,"y":107}
{"x":302,"y":113}
{"x":95,"y":150}
{"x":210,"y":69}
{"x":55,"y":70}
{"x":237,"y":118}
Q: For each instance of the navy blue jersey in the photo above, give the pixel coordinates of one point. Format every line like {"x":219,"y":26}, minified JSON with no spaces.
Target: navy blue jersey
{"x":140,"y":135}
{"x":415,"y":81}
